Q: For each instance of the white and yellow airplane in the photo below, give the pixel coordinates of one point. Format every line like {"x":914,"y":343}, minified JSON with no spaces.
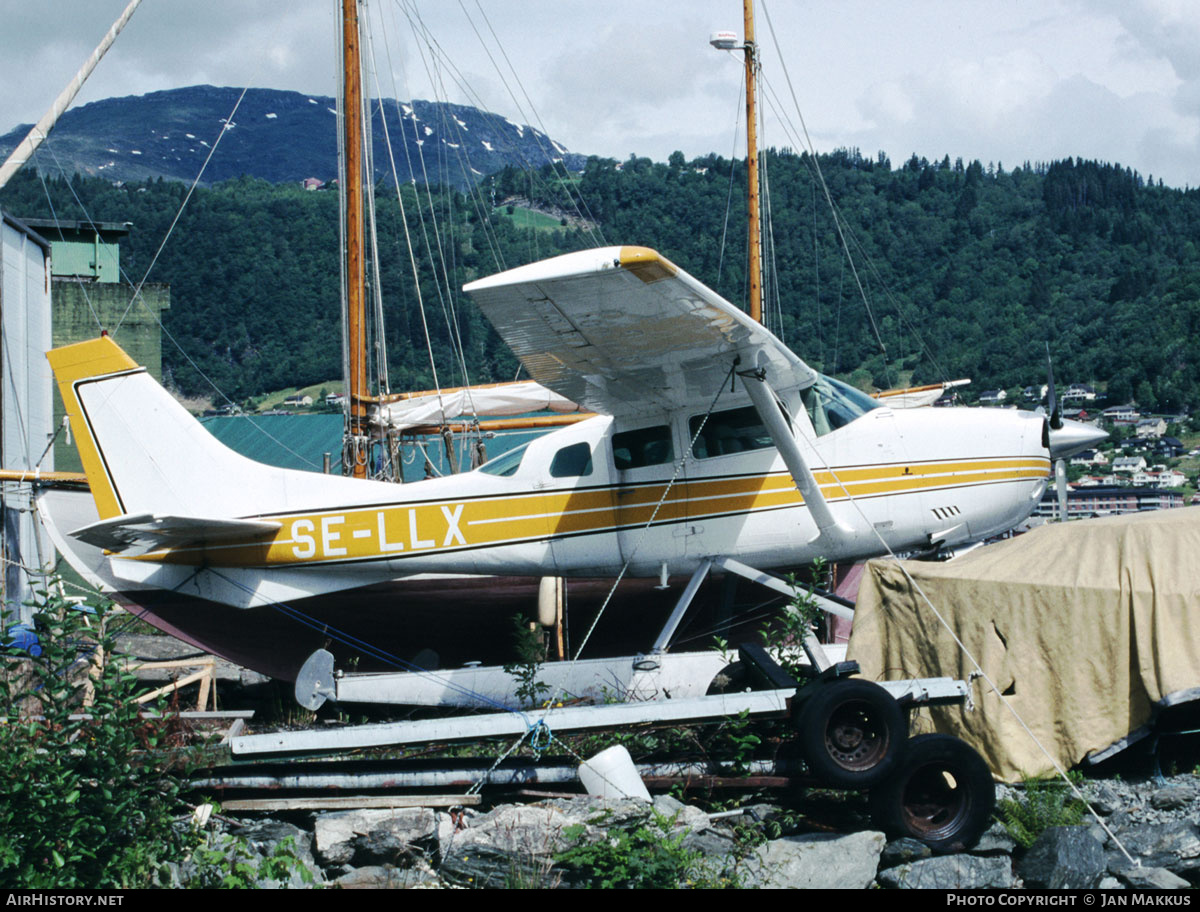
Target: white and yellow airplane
{"x":712,"y":440}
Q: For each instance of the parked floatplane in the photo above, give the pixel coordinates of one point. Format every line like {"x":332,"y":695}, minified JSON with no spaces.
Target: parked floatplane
{"x":713,"y":443}
{"x":713,"y":448}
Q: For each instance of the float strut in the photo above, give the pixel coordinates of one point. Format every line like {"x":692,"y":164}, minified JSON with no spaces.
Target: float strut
{"x":681,"y":608}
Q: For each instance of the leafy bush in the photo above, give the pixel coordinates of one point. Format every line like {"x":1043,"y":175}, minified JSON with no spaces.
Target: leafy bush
{"x":784,"y":636}
{"x":643,"y":856}
{"x":230,"y":863}
{"x":1046,"y":803}
{"x":84,"y":801}
{"x":526,"y":669}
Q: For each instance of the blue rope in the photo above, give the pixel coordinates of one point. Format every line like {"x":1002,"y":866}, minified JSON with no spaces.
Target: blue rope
{"x":540,"y":737}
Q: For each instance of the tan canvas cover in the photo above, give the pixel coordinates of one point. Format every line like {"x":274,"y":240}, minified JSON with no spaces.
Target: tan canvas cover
{"x":1084,"y":626}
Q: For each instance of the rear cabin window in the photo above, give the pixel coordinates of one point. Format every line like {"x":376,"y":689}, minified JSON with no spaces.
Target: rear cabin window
{"x":506,"y":463}
{"x":572,"y":462}
{"x":732,"y":431}
{"x":643,"y":447}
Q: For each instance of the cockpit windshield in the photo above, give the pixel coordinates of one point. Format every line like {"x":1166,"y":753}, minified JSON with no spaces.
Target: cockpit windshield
{"x":832,"y":404}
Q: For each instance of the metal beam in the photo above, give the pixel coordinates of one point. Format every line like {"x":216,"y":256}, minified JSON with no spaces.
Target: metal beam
{"x":571,"y":718}
{"x":771,"y":581}
{"x":681,"y":607}
{"x":784,"y":438}
{"x":491,"y":725}
{"x":449,"y":776}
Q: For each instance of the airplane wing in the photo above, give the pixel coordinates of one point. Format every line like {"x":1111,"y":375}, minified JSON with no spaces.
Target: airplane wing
{"x":140,"y":533}
{"x":622,"y":330}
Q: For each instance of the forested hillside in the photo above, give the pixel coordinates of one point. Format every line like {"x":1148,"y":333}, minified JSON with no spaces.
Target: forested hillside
{"x":968,"y":269}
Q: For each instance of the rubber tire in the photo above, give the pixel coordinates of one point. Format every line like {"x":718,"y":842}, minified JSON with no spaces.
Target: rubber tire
{"x":832,"y":721}
{"x":733,"y":678}
{"x":918,"y":801}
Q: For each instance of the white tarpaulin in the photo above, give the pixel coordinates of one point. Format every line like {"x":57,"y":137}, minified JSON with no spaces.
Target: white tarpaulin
{"x":1088,"y":629}
{"x":485,"y":401}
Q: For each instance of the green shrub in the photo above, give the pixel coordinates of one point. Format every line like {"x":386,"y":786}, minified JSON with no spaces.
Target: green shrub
{"x":1046,"y":803}
{"x":84,"y":802}
{"x":226,"y":862}
{"x":641,"y":856}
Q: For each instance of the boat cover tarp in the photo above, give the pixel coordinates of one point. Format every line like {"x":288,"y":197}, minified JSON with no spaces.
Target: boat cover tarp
{"x":1088,"y":628}
{"x":477,"y":402}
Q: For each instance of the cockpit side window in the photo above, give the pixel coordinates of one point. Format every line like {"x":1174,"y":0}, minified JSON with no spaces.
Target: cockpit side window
{"x":731,"y":431}
{"x":572,"y":461}
{"x":832,"y":404}
{"x":643,"y":447}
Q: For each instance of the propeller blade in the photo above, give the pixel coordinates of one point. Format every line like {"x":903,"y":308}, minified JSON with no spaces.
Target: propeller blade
{"x":1055,"y":411}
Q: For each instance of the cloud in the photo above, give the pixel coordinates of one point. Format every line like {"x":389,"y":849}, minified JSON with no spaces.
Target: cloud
{"x":630,"y":89}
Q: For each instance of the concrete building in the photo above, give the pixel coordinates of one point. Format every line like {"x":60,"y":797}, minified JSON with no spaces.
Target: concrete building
{"x":1102,"y":500}
{"x":88,"y":294}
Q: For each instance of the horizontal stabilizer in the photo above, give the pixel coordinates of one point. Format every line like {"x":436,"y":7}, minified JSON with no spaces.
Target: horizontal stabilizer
{"x":145,"y":532}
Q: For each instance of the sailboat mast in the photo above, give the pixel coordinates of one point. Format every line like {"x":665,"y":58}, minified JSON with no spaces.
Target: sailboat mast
{"x":355,"y":278}
{"x":754,"y":251}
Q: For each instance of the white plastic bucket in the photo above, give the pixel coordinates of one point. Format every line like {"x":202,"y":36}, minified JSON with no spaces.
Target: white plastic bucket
{"x":611,"y":774}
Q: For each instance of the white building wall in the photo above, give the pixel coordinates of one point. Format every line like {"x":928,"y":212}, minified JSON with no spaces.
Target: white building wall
{"x":26,"y":407}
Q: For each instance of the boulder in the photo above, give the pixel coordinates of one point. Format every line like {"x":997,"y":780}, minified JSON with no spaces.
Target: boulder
{"x":902,"y":851}
{"x":376,"y":836}
{"x":1063,"y":858}
{"x":951,"y":872}
{"x":514,"y":845}
{"x":1174,"y":845}
{"x":387,"y":877}
{"x":823,"y":862}
{"x":1152,"y":879}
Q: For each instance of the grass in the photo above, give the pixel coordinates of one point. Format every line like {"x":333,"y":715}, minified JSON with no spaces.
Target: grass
{"x":529,"y":218}
{"x":275,"y":399}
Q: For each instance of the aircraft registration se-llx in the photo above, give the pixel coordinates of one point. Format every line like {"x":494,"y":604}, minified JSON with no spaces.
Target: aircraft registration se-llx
{"x":711,"y":440}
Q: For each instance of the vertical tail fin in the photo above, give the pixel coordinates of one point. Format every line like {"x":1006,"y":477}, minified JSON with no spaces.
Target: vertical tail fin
{"x":143,"y":453}
{"x":80,"y":363}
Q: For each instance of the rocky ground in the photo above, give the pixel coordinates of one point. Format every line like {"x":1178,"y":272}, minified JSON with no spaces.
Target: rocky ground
{"x":1147,"y":836}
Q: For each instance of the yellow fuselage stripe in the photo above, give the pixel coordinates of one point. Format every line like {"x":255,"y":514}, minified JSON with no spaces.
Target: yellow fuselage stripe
{"x":405,"y":529}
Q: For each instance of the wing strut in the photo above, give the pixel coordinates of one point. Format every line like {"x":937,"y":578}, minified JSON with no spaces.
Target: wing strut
{"x":767,"y":405}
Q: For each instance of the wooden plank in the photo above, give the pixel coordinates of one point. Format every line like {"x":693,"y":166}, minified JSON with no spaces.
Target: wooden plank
{"x":184,"y":714}
{"x":163,"y":691}
{"x":201,"y":662}
{"x":235,"y":729}
{"x":349,"y":802}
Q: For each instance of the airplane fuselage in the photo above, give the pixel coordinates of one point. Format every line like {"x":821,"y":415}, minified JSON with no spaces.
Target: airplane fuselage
{"x":573,"y":504}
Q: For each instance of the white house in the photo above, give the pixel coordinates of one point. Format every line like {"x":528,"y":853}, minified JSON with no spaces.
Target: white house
{"x":1151,"y":427}
{"x":1129,"y":464}
{"x":1122,"y":414}
{"x":1080,"y":391}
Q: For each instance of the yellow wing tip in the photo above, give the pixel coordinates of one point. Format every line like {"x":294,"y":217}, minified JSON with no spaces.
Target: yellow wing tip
{"x":648,"y":265}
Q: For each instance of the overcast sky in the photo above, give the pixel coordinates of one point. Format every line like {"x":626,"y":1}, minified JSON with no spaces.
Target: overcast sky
{"x":1000,"y":80}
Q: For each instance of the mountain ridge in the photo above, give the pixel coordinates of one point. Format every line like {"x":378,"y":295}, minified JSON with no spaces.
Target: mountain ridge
{"x":279,"y":136}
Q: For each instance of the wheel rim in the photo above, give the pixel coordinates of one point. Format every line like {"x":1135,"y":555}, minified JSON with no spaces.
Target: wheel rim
{"x":856,"y":737}
{"x":935,"y":801}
